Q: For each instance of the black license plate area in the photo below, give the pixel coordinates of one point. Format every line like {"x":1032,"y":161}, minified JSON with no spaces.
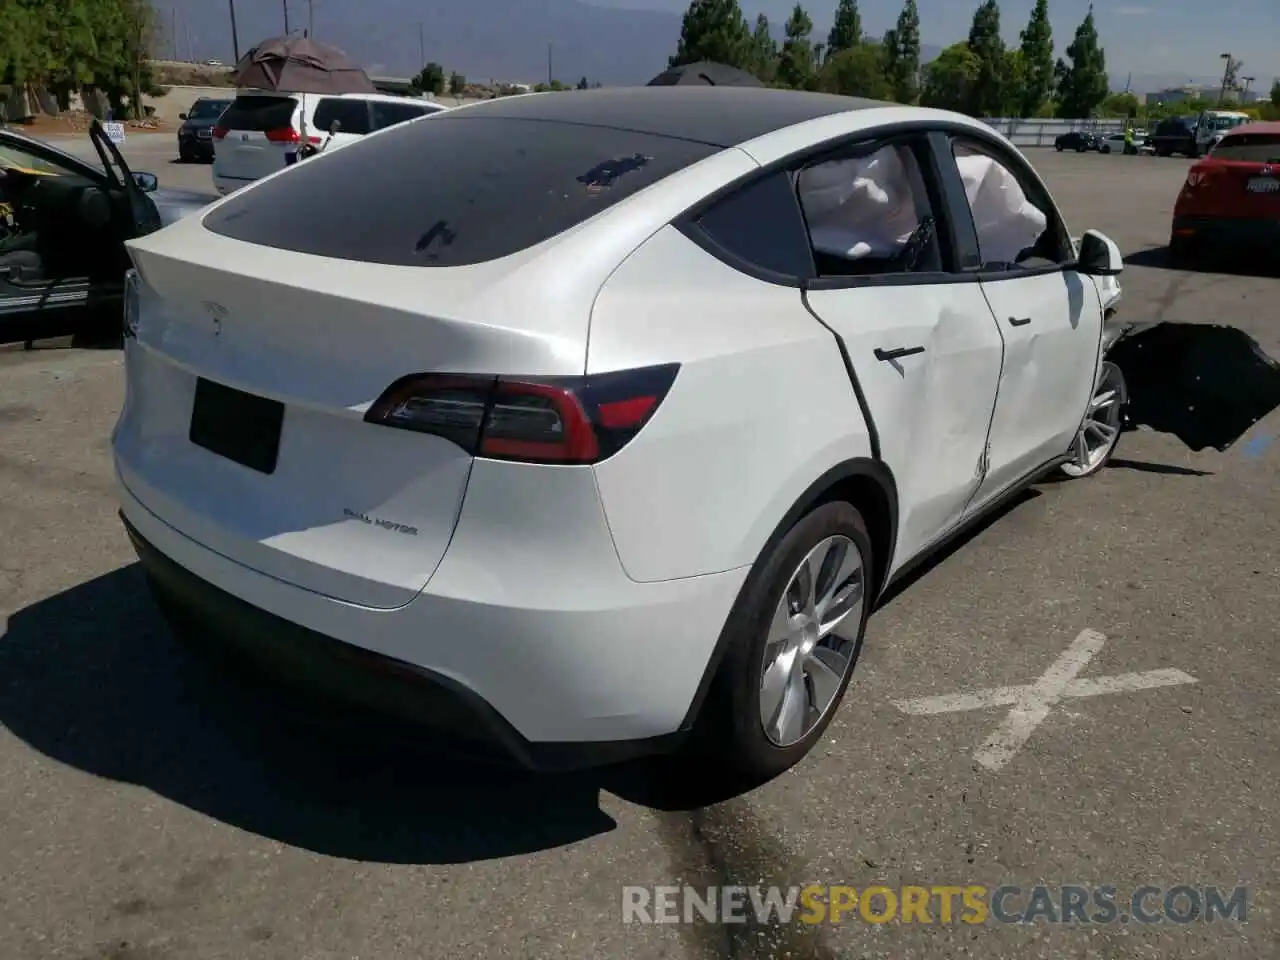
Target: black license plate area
{"x":237,"y":425}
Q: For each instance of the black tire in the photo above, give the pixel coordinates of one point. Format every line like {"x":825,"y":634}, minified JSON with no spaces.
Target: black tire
{"x":1104,"y":149}
{"x":1058,"y":147}
{"x":730,"y":733}
{"x":1081,"y":149}
{"x":1181,"y":251}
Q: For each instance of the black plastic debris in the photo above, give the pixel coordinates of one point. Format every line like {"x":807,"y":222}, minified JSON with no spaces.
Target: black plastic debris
{"x":1205,"y":384}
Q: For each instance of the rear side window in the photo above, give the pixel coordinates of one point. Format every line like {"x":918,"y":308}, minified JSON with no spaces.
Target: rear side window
{"x":353,"y":115}
{"x":458,"y":190}
{"x":1249,"y":148}
{"x":761,"y":227}
{"x":259,"y":114}
{"x":390,"y":114}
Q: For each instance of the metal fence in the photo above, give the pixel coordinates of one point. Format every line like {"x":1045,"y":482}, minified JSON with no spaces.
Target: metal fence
{"x":1042,"y":133}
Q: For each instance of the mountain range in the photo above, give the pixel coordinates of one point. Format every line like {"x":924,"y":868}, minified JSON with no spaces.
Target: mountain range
{"x":487,"y":41}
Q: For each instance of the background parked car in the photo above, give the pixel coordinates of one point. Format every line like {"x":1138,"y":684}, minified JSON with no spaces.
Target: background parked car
{"x":1175,"y":135}
{"x":195,"y":136}
{"x":1080,"y":142}
{"x":262,"y":132}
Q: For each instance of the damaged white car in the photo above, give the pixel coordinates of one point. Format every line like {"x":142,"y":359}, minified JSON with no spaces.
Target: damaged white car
{"x":576,"y":424}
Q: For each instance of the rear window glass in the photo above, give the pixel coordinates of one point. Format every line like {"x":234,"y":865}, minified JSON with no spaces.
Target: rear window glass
{"x":259,"y":114}
{"x":454,"y":191}
{"x":1249,"y":148}
{"x":353,"y":115}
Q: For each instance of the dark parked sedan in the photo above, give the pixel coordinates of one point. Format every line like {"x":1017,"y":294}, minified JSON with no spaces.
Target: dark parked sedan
{"x":1080,"y":142}
{"x":195,"y":136}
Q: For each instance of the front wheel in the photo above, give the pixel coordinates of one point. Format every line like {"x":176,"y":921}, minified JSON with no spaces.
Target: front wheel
{"x":794,"y":639}
{"x":1100,"y":431}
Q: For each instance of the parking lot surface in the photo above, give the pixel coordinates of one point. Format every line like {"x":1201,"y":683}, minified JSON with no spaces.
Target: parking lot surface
{"x":151,"y":811}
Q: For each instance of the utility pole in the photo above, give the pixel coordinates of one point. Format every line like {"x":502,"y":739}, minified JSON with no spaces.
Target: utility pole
{"x":311,"y":18}
{"x":235,"y":35}
{"x":1226,"y":76}
{"x":1244,"y":93}
{"x":173,"y":31}
{"x":549,"y":70}
{"x":285,"y":4}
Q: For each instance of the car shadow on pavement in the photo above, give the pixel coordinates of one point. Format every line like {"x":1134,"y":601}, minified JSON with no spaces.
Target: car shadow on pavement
{"x":92,"y":679}
{"x":1263,"y":264}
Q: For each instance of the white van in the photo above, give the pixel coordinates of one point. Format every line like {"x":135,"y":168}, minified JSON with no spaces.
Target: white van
{"x":262,"y":131}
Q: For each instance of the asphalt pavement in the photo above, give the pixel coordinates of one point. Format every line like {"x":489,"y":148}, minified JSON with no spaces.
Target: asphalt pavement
{"x":152,"y":811}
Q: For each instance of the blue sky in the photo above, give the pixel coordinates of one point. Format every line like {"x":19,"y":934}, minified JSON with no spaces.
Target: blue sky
{"x":1178,"y":38}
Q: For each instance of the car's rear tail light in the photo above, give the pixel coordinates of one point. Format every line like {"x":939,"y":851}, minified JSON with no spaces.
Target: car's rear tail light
{"x":219,"y":132}
{"x":289,"y":135}
{"x":1197,"y":176}
{"x":565,"y":420}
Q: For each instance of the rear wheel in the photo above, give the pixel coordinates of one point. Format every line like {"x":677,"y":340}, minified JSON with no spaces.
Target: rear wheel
{"x":1058,"y":147}
{"x":794,"y":639}
{"x":1100,"y":432}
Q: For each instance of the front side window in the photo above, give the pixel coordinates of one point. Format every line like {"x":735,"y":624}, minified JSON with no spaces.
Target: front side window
{"x":868,"y":213}
{"x":1016,"y":225}
{"x":390,"y":114}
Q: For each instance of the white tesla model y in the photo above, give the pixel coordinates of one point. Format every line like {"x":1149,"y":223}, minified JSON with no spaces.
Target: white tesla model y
{"x":572,"y":423}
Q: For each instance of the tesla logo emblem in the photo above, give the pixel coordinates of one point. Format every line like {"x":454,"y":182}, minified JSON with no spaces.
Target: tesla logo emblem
{"x":217,"y":312}
{"x":244,"y":138}
{"x":1266,"y":171}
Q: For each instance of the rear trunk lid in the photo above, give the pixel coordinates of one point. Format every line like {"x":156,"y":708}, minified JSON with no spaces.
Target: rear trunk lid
{"x":1240,"y":179}
{"x":257,"y":135}
{"x":352,"y":510}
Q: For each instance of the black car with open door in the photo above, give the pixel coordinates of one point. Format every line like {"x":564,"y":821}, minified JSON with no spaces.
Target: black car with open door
{"x":63,"y":225}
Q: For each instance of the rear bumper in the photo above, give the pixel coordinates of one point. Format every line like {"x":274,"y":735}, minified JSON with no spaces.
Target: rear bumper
{"x":552,"y":687}
{"x":1227,"y":231}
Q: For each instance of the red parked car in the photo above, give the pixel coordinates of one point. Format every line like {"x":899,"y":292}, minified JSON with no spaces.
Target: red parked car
{"x":1231,"y":198}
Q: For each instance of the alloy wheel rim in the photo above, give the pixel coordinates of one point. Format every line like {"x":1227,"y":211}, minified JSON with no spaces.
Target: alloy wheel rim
{"x":1100,"y":430}
{"x":807,"y":654}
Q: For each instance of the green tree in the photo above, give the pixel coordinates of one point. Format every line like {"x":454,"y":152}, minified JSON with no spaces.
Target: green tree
{"x":457,"y":84}
{"x":1275,"y":92}
{"x":988,"y":91}
{"x":1085,"y":85}
{"x":714,"y":30}
{"x":764,"y":51}
{"x":1119,"y":105}
{"x":902,"y":55}
{"x":846,"y":30}
{"x":795,"y":65}
{"x":430,"y":79}
{"x":858,"y":71}
{"x":1037,"y":62}
{"x":949,"y":80}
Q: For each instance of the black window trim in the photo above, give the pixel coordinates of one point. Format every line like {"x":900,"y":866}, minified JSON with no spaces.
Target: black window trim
{"x":956,"y":228}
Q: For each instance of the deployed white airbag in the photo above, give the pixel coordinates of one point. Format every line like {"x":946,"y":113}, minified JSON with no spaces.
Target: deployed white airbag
{"x":859,"y":207}
{"x":1006,"y":221}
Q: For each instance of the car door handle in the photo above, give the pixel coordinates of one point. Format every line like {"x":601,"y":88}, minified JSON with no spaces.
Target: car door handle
{"x":882,"y":354}
{"x":1019,"y":321}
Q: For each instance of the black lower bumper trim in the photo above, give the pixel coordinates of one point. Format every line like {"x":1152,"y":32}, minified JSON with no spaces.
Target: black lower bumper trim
{"x":330,"y":673}
{"x":1233,"y":231}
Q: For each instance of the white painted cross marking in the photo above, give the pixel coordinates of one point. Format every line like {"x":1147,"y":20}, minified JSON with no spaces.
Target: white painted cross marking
{"x":1032,"y":702}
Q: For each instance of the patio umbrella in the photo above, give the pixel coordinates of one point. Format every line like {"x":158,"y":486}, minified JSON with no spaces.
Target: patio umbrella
{"x":707,"y":74}
{"x":300,"y":65}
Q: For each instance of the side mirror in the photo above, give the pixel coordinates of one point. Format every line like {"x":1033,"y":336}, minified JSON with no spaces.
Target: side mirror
{"x":335,"y":127}
{"x":147,"y":182}
{"x":182,"y":116}
{"x":1099,"y":255}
